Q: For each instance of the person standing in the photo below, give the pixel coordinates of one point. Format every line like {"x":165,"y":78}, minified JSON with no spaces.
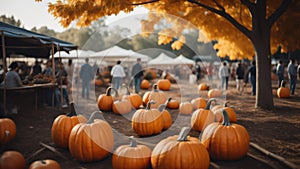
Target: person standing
{"x":210,"y":72}
{"x":36,"y":69}
{"x":224,"y":75}
{"x":252,"y":76}
{"x":86,"y":74}
{"x":292,"y":73}
{"x":240,"y":73}
{"x":70,"y":71}
{"x":137,"y":73}
{"x":198,"y":71}
{"x":117,"y":73}
{"x":280,"y":72}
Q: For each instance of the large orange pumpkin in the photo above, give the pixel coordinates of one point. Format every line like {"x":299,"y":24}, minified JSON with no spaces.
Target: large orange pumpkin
{"x":105,"y":101}
{"x":186,"y":108}
{"x":91,"y":141}
{"x":12,"y":160}
{"x":145,"y":84}
{"x":157,"y":96}
{"x":214,"y":93}
{"x":225,"y":141}
{"x":202,"y":117}
{"x":45,"y":164}
{"x":167,"y":119}
{"x":135,"y":99}
{"x":180,"y":152}
{"x":282,"y":91}
{"x":131,"y":156}
{"x":62,"y":126}
{"x":198,"y":103}
{"x":8,"y":130}
{"x":164,"y":84}
{"x":217,"y":110}
{"x":146,"y":122}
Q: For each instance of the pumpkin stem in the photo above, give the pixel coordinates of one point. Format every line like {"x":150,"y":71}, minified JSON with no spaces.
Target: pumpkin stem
{"x":95,"y":115}
{"x":282,"y":84}
{"x":128,"y":92}
{"x":226,"y":104}
{"x":209,"y":103}
{"x":162,"y":107}
{"x":72,"y":112}
{"x":148,"y":107}
{"x":7,"y":133}
{"x":183,"y":134}
{"x":226,"y":121}
{"x":155,"y":87}
{"x":108,"y":91}
{"x":132,"y":142}
{"x":43,"y":162}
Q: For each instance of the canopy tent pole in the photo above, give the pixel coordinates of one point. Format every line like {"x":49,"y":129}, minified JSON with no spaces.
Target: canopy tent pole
{"x":4,"y":71}
{"x":53,"y":75}
{"x":75,"y":69}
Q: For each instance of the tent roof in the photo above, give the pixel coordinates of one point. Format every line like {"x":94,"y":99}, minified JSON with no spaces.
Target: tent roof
{"x":161,"y":59}
{"x":30,"y":44}
{"x":74,"y":54}
{"x":183,"y":60}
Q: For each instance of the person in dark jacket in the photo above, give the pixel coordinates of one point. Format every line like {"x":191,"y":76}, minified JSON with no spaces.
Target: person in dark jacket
{"x":240,"y":73}
{"x":86,"y":75}
{"x":252,"y":76}
{"x":137,"y":73}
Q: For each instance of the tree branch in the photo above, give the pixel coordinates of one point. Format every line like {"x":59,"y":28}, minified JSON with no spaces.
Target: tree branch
{"x":143,"y":3}
{"x":225,"y":15}
{"x":282,"y":8}
{"x":219,"y":5}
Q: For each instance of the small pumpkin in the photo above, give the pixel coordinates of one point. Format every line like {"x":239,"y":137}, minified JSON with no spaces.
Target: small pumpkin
{"x":198,"y":103}
{"x":202,"y":117}
{"x":99,"y":82}
{"x":121,"y":106}
{"x":146,"y":122}
{"x":157,"y":96}
{"x":91,"y":141}
{"x":135,"y":99}
{"x":145,"y":84}
{"x":12,"y":160}
{"x":214,"y":93}
{"x":216,"y":135}
{"x":45,"y":164}
{"x":105,"y":101}
{"x":180,"y":151}
{"x":173,"y":104}
{"x":186,"y":108}
{"x":282,"y":91}
{"x":203,"y":86}
{"x":8,"y":130}
{"x":131,"y":156}
{"x":146,"y":98}
{"x":164,"y":84}
{"x":167,"y":119}
{"x":62,"y":126}
{"x":217,"y":110}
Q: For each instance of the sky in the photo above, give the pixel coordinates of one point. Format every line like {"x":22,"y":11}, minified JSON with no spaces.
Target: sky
{"x":35,"y":14}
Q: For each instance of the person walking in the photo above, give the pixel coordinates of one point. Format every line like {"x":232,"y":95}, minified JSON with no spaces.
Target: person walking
{"x":280,"y":72}
{"x":224,"y":75}
{"x":252,"y":76}
{"x":137,"y":73}
{"x":240,"y":73}
{"x":86,"y":74}
{"x":210,"y":72}
{"x":292,"y":73}
{"x":117,"y":73}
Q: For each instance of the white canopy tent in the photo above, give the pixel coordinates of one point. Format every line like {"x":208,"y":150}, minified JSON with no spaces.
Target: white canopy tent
{"x":162,"y":59}
{"x":183,"y":60}
{"x":74,"y":54}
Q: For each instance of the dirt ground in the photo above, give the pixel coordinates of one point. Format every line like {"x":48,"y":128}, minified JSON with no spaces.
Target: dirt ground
{"x":276,"y":130}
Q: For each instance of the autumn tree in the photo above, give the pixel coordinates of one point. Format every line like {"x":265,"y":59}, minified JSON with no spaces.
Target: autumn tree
{"x":242,"y":28}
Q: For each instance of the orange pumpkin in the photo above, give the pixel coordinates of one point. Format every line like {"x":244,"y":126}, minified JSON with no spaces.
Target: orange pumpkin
{"x":282,"y":91}
{"x":180,"y":152}
{"x":121,"y":106}
{"x":62,"y":126}
{"x":12,"y":160}
{"x":202,"y":117}
{"x":99,"y":82}
{"x":186,"y":108}
{"x":145,"y":84}
{"x":198,"y":103}
{"x":135,"y":99}
{"x":91,"y":141}
{"x":157,"y":96}
{"x":164,"y":84}
{"x":216,"y":135}
{"x":105,"y":101}
{"x":8,"y":130}
{"x":217,"y":110}
{"x":45,"y":164}
{"x":203,"y":86}
{"x":214,"y":93}
{"x":173,"y":104}
{"x":131,"y":156}
{"x":167,"y":119}
{"x":146,"y":122}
